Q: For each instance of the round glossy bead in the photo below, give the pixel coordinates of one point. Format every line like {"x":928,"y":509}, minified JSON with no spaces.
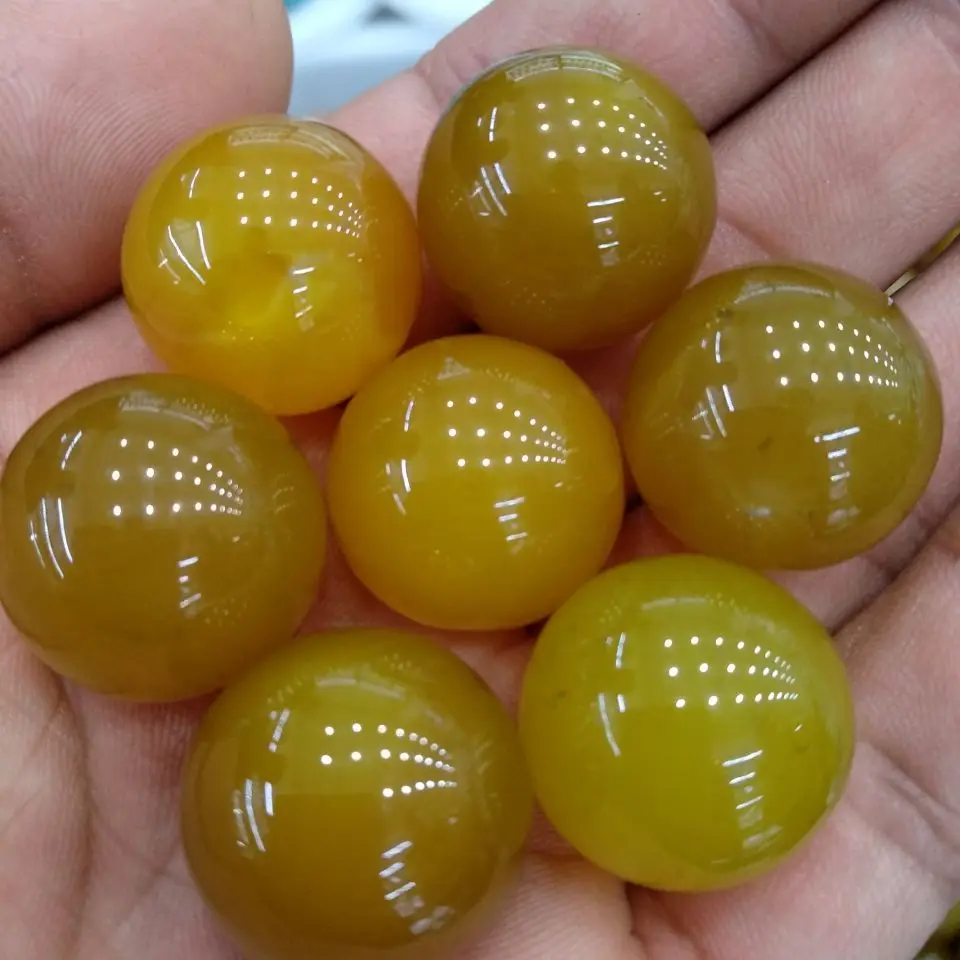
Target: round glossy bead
{"x":782,"y":415}
{"x":475,"y":484}
{"x":276,"y":257}
{"x":157,"y":534}
{"x":567,"y":198}
{"x":687,"y":722}
{"x":357,"y":796}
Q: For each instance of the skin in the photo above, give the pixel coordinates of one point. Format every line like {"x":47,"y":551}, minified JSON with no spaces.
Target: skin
{"x":852,"y":161}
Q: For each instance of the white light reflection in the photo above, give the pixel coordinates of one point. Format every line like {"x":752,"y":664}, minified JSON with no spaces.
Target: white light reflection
{"x":251,"y":815}
{"x":45,"y":524}
{"x":70,"y":448}
{"x":607,"y":729}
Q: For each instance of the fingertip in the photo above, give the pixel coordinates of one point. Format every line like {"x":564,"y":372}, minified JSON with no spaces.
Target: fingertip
{"x":101,"y":90}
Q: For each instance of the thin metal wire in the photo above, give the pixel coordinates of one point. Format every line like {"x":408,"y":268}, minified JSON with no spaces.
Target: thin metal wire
{"x":925,"y":262}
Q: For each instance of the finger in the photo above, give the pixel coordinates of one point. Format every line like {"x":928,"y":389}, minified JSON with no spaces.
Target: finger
{"x":110,"y":347}
{"x":395,"y":119}
{"x":854,"y":166}
{"x":749,"y":45}
{"x":748,"y":50}
{"x":94,"y":93}
{"x":852,"y":161}
{"x":888,"y":861}
{"x":42,"y":809}
{"x":563,"y":909}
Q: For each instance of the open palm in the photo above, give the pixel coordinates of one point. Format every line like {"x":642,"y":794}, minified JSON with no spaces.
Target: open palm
{"x":852,"y":160}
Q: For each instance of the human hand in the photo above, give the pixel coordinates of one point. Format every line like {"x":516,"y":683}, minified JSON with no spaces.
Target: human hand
{"x":851,"y":161}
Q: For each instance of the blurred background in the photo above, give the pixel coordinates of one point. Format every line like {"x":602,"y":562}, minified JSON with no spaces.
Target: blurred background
{"x":343,"y":47}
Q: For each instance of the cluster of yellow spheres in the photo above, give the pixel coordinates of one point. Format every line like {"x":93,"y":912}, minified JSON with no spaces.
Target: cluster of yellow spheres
{"x":683,"y":722}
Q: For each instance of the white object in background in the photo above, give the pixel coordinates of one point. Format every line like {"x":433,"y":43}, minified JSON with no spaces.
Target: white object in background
{"x":445,"y":15}
{"x":339,"y":53}
{"x":327,"y":19}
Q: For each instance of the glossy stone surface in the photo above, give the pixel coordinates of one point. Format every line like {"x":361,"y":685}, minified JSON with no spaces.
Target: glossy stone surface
{"x":157,"y":534}
{"x":686,"y":721}
{"x":475,"y":484}
{"x":567,"y":198}
{"x":357,"y":796}
{"x":782,"y":415}
{"x":276,"y":257}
